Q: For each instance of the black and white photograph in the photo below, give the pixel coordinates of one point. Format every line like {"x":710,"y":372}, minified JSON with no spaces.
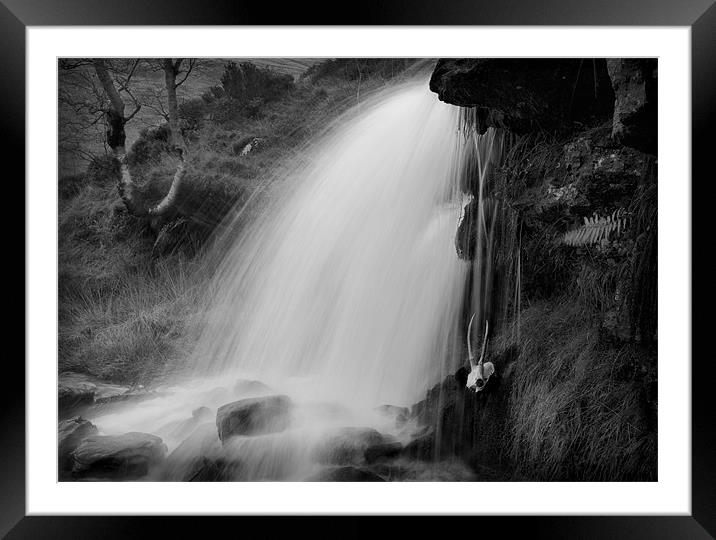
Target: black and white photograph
{"x":357,"y":269}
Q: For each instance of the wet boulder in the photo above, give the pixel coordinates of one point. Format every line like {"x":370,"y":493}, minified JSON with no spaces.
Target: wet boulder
{"x":382,"y":451}
{"x":75,"y":390}
{"x":117,"y":457}
{"x":346,"y":445}
{"x":345,"y":474}
{"x":400,"y":414}
{"x":178,"y":430}
{"x":250,"y":388}
{"x":253,"y":416}
{"x":197,"y":458}
{"x":422,"y":447}
{"x":70,"y":434}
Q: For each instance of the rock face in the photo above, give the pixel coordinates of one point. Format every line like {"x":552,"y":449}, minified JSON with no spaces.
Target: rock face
{"x":524,"y":95}
{"x":571,"y":196}
{"x":253,"y":416}
{"x":70,"y":434}
{"x":543,"y":95}
{"x":635,"y":107}
{"x":458,"y":422}
{"x":118,"y":457}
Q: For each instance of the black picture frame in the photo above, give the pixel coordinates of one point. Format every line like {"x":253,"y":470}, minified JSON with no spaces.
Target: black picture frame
{"x":16,"y":15}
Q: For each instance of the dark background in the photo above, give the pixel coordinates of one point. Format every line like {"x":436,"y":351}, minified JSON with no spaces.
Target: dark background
{"x":16,"y":14}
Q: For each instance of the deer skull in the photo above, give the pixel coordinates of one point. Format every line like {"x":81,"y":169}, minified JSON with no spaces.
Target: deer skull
{"x":480,"y":371}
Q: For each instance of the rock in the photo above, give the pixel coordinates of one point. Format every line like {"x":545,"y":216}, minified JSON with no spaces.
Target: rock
{"x":252,"y":146}
{"x":249,"y":388}
{"x":117,"y":457}
{"x":401,"y":414}
{"x":70,"y":434}
{"x":77,"y":389}
{"x":421,"y":448}
{"x":598,"y":176}
{"x":252,"y":416}
{"x":466,"y":235}
{"x":392,"y":471}
{"x":178,"y":430}
{"x":525,"y":95}
{"x":345,"y":474}
{"x":460,"y":423}
{"x":382,"y":451}
{"x":328,"y":411}
{"x":212,"y":470}
{"x":74,"y":393}
{"x":346,"y":445}
{"x":635,"y":102}
{"x":197,"y":458}
{"x":201,"y":413}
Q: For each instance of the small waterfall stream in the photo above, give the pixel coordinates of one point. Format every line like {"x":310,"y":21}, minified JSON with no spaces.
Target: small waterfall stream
{"x":344,"y":294}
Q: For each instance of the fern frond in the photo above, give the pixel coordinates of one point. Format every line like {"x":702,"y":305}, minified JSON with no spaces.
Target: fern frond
{"x":596,"y":229}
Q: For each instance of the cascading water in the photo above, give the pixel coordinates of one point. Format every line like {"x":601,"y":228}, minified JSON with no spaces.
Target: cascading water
{"x":344,"y":294}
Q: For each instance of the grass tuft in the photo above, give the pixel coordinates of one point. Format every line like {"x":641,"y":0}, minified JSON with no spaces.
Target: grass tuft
{"x":581,"y":406}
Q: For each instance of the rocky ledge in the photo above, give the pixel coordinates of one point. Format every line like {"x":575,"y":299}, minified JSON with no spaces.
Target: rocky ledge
{"x":526,"y":95}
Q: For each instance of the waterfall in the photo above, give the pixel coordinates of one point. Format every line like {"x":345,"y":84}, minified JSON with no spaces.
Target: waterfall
{"x":344,"y":293}
{"x":349,"y":285}
{"x":488,"y":233}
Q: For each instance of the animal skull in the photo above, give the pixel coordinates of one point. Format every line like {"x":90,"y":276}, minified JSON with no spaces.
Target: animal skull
{"x":478,"y":377}
{"x":480,"y":372}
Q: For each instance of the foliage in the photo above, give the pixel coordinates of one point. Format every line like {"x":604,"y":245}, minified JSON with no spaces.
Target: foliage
{"x":248,"y":83}
{"x":597,"y":229}
{"x":358,"y":68}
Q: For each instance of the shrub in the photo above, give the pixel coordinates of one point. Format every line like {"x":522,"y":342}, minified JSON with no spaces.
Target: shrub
{"x":358,"y":68}
{"x":150,"y":147}
{"x":212,"y":94}
{"x":246,"y":82}
{"x":70,"y":185}
{"x":102,"y":170}
{"x":192,"y":112}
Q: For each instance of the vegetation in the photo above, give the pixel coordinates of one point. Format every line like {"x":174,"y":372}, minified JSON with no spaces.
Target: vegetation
{"x":582,"y":233}
{"x":596,"y":230}
{"x":581,"y":405}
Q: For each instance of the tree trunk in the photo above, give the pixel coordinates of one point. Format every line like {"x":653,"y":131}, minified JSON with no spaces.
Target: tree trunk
{"x":170,"y":81}
{"x":116,"y":139}
{"x":171,"y":69}
{"x":116,"y":136}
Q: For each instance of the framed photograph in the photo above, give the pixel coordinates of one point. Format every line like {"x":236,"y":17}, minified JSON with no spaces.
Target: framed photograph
{"x":416,"y":263}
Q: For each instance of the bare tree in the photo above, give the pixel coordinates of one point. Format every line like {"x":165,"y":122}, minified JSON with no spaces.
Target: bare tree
{"x":116,"y":136}
{"x":82,"y":103}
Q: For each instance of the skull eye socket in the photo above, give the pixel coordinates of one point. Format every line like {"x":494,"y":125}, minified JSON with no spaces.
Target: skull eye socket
{"x":480,"y":383}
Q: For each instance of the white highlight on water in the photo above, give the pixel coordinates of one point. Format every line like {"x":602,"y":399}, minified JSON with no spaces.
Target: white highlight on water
{"x":347,"y":288}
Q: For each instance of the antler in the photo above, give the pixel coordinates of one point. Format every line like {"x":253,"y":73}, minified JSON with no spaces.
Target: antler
{"x":469,"y":346}
{"x":484,"y":342}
